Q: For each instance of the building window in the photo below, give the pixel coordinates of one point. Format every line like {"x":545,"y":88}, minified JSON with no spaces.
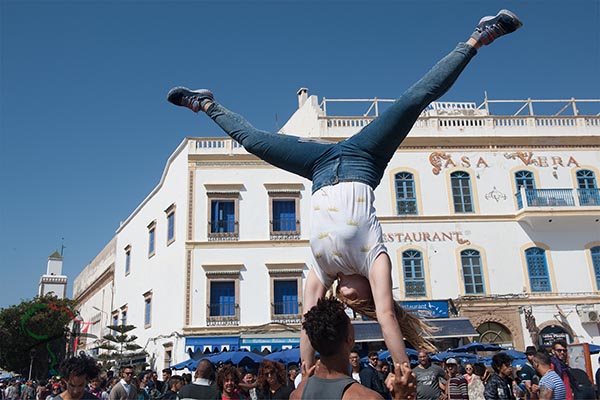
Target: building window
{"x":537,"y":267}
{"x":147,"y":309}
{"x":286,"y":292}
{"x":285,"y":296}
{"x":414,"y":274}
{"x":595,"y":252}
{"x":588,"y":191}
{"x":170,"y":212}
{"x":284,"y":205}
{"x":472,"y":272}
{"x":127,"y":260}
{"x":124,"y":315}
{"x":151,"y":238}
{"x":222,"y":294}
{"x":168,"y":358}
{"x":284,"y":216}
{"x":461,"y":192}
{"x":115,"y":318}
{"x":406,"y":198}
{"x":222,"y":299}
{"x":524,"y":179}
{"x":223,"y":211}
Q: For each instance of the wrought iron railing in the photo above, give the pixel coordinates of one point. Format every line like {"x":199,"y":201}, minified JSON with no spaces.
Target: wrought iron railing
{"x":557,"y":197}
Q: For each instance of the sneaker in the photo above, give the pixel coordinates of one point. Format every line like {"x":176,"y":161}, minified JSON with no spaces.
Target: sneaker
{"x":491,"y":28}
{"x":192,"y":99}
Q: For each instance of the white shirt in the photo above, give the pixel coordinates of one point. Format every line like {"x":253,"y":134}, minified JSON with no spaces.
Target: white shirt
{"x":126,"y":385}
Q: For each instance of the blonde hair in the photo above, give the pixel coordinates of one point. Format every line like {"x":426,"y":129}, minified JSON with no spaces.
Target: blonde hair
{"x":413,"y":328}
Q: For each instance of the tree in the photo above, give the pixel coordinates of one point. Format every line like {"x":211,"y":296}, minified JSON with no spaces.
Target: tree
{"x":122,"y":349}
{"x":34,"y":333}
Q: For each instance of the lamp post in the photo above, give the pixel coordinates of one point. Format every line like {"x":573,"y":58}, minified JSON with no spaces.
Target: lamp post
{"x":31,"y":356}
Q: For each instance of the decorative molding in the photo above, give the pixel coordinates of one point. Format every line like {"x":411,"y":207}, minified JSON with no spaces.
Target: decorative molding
{"x":495,"y":194}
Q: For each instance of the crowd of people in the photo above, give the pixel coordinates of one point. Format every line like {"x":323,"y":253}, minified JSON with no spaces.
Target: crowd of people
{"x":338,"y":374}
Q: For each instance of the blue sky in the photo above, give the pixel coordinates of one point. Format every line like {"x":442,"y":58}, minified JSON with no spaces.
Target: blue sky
{"x":85,"y":130}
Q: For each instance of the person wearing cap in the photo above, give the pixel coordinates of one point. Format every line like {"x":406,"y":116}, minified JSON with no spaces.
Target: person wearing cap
{"x":528,"y":373}
{"x":457,"y":386}
{"x":55,"y":393}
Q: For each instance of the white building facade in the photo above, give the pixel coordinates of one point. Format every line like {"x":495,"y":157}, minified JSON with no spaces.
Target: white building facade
{"x":495,"y":216}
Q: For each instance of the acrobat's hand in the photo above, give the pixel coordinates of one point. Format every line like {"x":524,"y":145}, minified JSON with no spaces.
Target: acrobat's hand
{"x":403,"y":383}
{"x":308,"y":372}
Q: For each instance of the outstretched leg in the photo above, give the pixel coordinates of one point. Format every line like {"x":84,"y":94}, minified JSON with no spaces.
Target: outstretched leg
{"x":379,"y":140}
{"x":290,"y":153}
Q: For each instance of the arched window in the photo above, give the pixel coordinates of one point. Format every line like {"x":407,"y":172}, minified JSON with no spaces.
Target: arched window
{"x":539,"y":279}
{"x":461,"y":192}
{"x":587,"y":188}
{"x":524,"y":179}
{"x":494,"y":333}
{"x":414,"y":274}
{"x":595,"y":251}
{"x":472,"y":272}
{"x":406,"y":198}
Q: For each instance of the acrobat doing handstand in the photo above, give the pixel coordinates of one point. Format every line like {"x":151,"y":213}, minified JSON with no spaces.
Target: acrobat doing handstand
{"x":345,"y":234}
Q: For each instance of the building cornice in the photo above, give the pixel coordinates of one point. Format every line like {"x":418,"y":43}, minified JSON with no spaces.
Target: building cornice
{"x":526,"y":299}
{"x":239,"y":330}
{"x":105,"y":277}
{"x":246,"y":244}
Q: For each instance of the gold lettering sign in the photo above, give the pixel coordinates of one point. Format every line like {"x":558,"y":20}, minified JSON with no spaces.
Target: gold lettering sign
{"x":444,"y":160}
{"x":439,"y":161}
{"x":416,"y":237}
{"x":527,"y":158}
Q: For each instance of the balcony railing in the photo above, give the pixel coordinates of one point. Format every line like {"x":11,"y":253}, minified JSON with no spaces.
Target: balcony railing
{"x":557,"y":197}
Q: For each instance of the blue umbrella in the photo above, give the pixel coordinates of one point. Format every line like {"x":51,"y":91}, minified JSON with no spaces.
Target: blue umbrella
{"x":286,"y":356}
{"x":236,"y":357}
{"x":463,"y":357}
{"x":476,"y":346}
{"x":515,"y":354}
{"x":594,"y":348}
{"x":385,"y":354}
{"x":190,"y":364}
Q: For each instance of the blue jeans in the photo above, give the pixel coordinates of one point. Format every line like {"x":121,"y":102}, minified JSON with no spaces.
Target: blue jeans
{"x":360,"y":158}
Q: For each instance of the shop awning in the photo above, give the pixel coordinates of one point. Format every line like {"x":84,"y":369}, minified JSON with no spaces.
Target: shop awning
{"x":370,"y":331}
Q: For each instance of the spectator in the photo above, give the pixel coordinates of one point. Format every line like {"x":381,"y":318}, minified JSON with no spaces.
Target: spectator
{"x":292,"y":374}
{"x":55,"y":393}
{"x":527,"y":374}
{"x":369,"y":376}
{"x":174,"y":385}
{"x":271,"y":381}
{"x":202,"y":387}
{"x":429,"y":376}
{"x":77,"y":371}
{"x":228,"y":380}
{"x":551,"y":387}
{"x":355,"y":366}
{"x":124,"y":390}
{"x":457,"y":387}
{"x":560,"y":365}
{"x":499,"y":385}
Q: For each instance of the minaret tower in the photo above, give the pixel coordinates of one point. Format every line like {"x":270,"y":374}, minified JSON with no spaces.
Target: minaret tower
{"x":53,"y":281}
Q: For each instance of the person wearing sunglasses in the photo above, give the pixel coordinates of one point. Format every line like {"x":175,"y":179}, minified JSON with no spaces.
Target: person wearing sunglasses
{"x":559,"y":359}
{"x":124,"y":390}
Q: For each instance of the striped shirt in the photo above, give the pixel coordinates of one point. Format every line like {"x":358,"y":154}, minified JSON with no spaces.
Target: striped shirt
{"x":458,"y":388}
{"x":552,"y":381}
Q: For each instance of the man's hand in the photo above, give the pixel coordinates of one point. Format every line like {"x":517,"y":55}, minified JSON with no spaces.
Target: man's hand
{"x":403,"y":383}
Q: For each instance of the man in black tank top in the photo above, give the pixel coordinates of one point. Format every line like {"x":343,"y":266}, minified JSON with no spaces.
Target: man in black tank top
{"x":332,"y":335}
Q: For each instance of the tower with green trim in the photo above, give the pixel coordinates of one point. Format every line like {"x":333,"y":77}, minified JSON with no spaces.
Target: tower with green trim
{"x":53,"y":281}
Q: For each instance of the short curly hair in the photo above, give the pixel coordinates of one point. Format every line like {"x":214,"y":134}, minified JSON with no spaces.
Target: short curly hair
{"x":227,"y":370}
{"x":327,"y":326}
{"x":80,"y":365}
